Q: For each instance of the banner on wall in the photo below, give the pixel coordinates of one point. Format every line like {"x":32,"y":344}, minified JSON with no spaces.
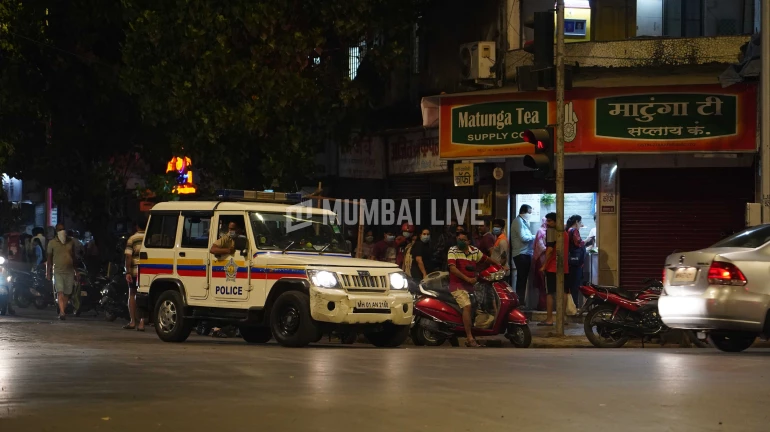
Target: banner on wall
{"x":695,"y":118}
{"x":415,"y":152}
{"x":365,"y":159}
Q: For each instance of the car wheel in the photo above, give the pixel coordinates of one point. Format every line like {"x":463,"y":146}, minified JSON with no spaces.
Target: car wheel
{"x":171,"y":325}
{"x":258,"y":335}
{"x":389,"y":337}
{"x":732,"y":341}
{"x":290,"y":320}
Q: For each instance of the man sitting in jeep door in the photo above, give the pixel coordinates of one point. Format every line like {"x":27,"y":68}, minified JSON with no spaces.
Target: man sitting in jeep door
{"x":225,"y":245}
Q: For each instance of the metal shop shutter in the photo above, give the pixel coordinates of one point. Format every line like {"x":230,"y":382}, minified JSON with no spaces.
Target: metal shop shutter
{"x":409,"y":187}
{"x":575,"y":181}
{"x":663,"y":211}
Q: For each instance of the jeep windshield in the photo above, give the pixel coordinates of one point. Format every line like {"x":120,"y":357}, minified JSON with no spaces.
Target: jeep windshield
{"x":307,"y":233}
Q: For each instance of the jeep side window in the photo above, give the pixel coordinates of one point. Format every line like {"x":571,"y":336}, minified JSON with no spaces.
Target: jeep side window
{"x":195,"y":233}
{"x":161,"y":231}
{"x":240,"y":242}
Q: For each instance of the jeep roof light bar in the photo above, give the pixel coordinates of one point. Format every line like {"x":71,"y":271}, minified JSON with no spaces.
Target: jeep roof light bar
{"x":257,"y":196}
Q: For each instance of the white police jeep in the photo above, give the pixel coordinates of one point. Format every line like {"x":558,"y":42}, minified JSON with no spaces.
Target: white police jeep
{"x":291,"y":276}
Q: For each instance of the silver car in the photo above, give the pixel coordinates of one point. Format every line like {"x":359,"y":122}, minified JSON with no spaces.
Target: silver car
{"x":723,"y":290}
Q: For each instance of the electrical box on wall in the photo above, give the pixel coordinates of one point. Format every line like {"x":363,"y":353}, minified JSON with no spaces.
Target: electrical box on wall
{"x":753,"y":214}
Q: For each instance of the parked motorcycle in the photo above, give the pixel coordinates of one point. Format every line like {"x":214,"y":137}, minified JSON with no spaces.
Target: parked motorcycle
{"x":20,"y":285}
{"x":114,"y":299}
{"x":615,"y":315}
{"x":90,"y":293}
{"x":438,"y":318}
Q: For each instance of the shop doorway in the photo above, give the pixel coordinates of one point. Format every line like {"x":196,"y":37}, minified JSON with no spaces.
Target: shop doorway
{"x":578,"y":203}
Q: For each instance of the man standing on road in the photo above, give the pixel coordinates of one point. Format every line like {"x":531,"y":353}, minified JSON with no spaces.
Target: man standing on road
{"x":549,"y":269}
{"x":133,"y":246}
{"x":463,"y":260}
{"x":521,"y":250}
{"x":61,"y":267}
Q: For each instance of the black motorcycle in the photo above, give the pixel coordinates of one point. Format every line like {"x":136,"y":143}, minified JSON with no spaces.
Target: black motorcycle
{"x":114,"y":301}
{"x":20,"y":285}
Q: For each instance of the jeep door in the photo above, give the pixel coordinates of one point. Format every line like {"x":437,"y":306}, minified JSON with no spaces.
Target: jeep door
{"x":230,"y":272}
{"x":192,"y":260}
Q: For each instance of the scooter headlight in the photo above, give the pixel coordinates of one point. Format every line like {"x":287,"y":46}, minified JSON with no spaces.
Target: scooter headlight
{"x":2,"y":260}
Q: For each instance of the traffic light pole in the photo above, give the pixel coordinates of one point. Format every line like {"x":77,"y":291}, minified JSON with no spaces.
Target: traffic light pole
{"x":560,"y":297}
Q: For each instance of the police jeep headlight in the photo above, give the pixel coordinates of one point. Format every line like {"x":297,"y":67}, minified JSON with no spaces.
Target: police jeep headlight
{"x":323,"y":278}
{"x":9,"y":278}
{"x":2,"y":260}
{"x":398,"y":280}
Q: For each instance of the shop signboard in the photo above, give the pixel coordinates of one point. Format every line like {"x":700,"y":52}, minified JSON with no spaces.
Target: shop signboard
{"x":464,"y":174}
{"x":661,"y":119}
{"x":364,"y":159}
{"x":415,"y":152}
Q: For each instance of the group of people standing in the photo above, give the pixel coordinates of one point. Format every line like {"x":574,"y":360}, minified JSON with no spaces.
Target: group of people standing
{"x":534,"y":256}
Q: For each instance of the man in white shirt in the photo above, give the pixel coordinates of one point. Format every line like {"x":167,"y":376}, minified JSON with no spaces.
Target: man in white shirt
{"x":521,"y":249}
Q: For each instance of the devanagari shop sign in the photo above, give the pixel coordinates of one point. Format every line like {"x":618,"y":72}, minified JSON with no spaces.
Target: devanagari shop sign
{"x":697,"y":118}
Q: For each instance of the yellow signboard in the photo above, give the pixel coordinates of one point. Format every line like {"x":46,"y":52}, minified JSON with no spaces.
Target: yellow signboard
{"x":463,"y":174}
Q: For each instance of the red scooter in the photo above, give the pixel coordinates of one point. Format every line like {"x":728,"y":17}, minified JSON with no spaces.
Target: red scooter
{"x":437,"y":317}
{"x":615,"y":315}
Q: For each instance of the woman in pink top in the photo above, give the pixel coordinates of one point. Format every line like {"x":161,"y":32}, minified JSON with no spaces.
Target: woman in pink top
{"x":538,"y":278}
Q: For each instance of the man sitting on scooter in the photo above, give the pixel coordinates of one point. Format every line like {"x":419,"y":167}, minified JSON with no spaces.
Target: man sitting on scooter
{"x":462,"y":261}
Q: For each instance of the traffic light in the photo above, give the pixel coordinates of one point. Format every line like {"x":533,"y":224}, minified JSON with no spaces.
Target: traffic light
{"x":542,"y":45}
{"x":542,"y":160}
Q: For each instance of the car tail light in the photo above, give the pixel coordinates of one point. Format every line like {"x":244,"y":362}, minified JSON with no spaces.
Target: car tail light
{"x":723,"y":273}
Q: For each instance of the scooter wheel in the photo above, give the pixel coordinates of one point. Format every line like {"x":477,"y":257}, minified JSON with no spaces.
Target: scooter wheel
{"x":424,"y":336}
{"x":521,"y":336}
{"x":110,"y":316}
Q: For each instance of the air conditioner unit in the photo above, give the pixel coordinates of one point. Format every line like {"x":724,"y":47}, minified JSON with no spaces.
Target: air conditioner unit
{"x":478,"y":60}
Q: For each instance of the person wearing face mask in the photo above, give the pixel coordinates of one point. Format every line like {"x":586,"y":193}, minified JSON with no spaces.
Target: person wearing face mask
{"x":385,"y":249}
{"x":225,"y":245}
{"x":404,"y":244}
{"x":61,"y":267}
{"x":422,"y":258}
{"x":499,"y":249}
{"x":463,"y":260}
{"x":521,"y":250}
{"x":367,"y":246}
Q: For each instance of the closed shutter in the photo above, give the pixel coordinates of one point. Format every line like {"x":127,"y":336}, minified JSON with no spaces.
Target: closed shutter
{"x":409,"y":187}
{"x":663,"y":211}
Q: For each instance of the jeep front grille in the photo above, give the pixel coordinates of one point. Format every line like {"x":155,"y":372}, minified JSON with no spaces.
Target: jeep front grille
{"x":364,"y":283}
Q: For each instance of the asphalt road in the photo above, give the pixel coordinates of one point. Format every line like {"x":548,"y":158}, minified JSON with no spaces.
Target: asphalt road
{"x":86,"y":375}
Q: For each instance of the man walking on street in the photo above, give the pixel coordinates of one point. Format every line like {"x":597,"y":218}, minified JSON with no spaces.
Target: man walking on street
{"x":61,"y":267}
{"x":133,"y":245}
{"x":521,"y":249}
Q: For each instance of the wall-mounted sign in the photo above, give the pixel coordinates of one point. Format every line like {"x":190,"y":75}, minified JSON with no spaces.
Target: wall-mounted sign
{"x":180,"y":167}
{"x":415,"y":152}
{"x":365,"y":159}
{"x":464,"y":174}
{"x":662,"y":119}
{"x":607,"y":193}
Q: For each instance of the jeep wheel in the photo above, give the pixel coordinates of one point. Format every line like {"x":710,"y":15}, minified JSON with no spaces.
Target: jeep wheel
{"x":252,"y":334}
{"x":389,"y":337}
{"x":290,"y":320}
{"x":171,"y":325}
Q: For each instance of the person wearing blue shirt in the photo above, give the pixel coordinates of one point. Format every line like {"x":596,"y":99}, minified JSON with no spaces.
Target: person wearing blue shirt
{"x":38,"y":251}
{"x":521,"y":249}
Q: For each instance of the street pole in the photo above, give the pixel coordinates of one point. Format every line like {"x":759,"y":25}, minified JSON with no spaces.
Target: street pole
{"x":560,"y":298}
{"x":764,"y":109}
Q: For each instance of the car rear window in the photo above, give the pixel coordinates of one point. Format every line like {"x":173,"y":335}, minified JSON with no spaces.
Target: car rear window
{"x":750,"y":238}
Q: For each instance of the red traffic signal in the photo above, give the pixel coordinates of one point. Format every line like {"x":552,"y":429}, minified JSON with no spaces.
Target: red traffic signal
{"x":542,"y":160}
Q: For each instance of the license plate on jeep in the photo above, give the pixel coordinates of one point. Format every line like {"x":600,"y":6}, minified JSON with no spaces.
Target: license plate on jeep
{"x":372,"y":304}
